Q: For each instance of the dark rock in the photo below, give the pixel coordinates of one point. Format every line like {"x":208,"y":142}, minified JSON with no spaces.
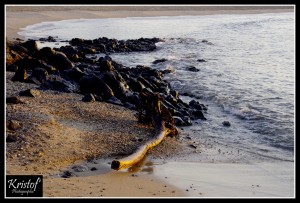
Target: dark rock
{"x":116,"y":83}
{"x":134,"y":99}
{"x":135,"y":85}
{"x":11,"y":67}
{"x":18,"y":48}
{"x":175,"y":94}
{"x":11,"y":138}
{"x":75,"y":74}
{"x":80,"y":168}
{"x":114,"y":100}
{"x":93,"y":169}
{"x":13,"y":125}
{"x":197,"y":114}
{"x":105,"y":45}
{"x":226,"y":123}
{"x":171,"y":100}
{"x":201,"y":60}
{"x":167,"y":71}
{"x":207,"y":42}
{"x":196,"y":105}
{"x":106,"y":65}
{"x":61,"y":61}
{"x":67,"y":174}
{"x":88,"y":98}
{"x":20,"y":75}
{"x":88,"y":50}
{"x":14,"y":100}
{"x":94,"y":84}
{"x":13,"y":57}
{"x":129,"y":106}
{"x":40,"y":74}
{"x":187,"y":120}
{"x":70,"y":51}
{"x":193,"y":146}
{"x":178,"y":121}
{"x":58,"y":83}
{"x":30,"y":93}
{"x":192,"y":69}
{"x":33,"y":80}
{"x":30,"y":45}
{"x":30,"y":63}
{"x":46,"y":53}
{"x":159,"y":61}
{"x":146,"y":83}
{"x":98,"y":98}
{"x":48,"y":39}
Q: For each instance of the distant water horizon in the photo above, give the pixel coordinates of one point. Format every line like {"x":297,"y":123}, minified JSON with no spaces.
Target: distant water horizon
{"x":246,"y":66}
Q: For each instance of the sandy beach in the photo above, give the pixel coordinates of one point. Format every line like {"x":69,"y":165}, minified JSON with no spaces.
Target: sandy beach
{"x":107,"y":131}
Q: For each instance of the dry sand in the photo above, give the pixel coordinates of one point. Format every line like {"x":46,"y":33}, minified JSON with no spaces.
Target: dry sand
{"x":58,"y":129}
{"x":104,"y":130}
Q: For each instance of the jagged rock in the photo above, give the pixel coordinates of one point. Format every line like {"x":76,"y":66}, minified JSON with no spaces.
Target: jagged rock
{"x":33,"y":80}
{"x":197,"y":114}
{"x":46,"y":53}
{"x":11,"y":67}
{"x":129,"y":106}
{"x":20,"y":75}
{"x":67,"y":174}
{"x":178,"y":121}
{"x":30,"y":45}
{"x":13,"y":100}
{"x":187,"y":120}
{"x":58,"y":83}
{"x":11,"y":138}
{"x":13,"y":125}
{"x":30,"y":63}
{"x":98,"y":98}
{"x":192,"y":69}
{"x":196,"y":105}
{"x":48,"y":39}
{"x":94,"y":84}
{"x":114,"y":100}
{"x":30,"y":93}
{"x":116,"y":83}
{"x":19,"y":48}
{"x":106,"y":65}
{"x":201,"y":60}
{"x":88,"y":98}
{"x":40,"y":74}
{"x":159,"y":61}
{"x":61,"y":61}
{"x":75,"y":74}
{"x":135,"y":85}
{"x":226,"y":123}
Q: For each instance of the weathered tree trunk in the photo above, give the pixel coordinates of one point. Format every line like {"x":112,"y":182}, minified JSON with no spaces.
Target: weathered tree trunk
{"x":162,"y":121}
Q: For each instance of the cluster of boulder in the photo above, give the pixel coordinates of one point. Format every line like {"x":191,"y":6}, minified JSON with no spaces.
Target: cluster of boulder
{"x":68,"y":69}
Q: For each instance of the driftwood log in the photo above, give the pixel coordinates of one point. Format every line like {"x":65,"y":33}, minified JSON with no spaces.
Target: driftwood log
{"x":150,"y":111}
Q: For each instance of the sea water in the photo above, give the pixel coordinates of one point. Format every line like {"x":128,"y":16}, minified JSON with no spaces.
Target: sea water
{"x":248,"y":77}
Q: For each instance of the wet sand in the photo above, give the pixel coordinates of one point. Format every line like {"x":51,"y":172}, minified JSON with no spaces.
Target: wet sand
{"x":105,"y":130}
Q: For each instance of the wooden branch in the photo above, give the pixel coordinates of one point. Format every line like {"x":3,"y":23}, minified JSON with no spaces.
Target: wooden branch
{"x":151,"y":106}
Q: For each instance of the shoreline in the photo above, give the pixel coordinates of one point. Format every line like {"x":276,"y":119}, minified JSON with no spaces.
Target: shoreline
{"x":37,"y":14}
{"x":202,"y":179}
